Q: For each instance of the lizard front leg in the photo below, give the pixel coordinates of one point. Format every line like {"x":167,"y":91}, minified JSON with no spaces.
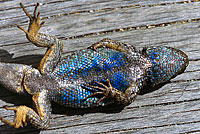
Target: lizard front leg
{"x":108,"y":92}
{"x":54,"y":45}
{"x":115,"y":45}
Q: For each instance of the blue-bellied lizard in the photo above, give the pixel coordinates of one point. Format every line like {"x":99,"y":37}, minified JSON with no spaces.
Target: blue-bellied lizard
{"x":107,"y":72}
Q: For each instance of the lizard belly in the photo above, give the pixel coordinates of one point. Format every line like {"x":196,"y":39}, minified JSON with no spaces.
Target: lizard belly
{"x":77,"y":70}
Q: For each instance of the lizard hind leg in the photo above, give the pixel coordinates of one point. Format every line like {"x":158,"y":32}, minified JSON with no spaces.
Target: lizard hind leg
{"x":24,"y":114}
{"x":20,"y":116}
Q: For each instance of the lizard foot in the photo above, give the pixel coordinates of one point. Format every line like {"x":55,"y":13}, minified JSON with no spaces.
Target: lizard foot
{"x":106,"y":91}
{"x":34,"y":24}
{"x":20,"y":116}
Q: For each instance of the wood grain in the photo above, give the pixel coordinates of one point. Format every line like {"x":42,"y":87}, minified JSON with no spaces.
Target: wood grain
{"x":173,"y":108}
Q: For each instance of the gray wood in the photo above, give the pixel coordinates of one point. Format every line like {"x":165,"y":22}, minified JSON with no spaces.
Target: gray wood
{"x":173,"y":108}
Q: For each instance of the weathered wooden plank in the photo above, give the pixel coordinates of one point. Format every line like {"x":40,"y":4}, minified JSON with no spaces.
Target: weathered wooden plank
{"x":6,"y":5}
{"x":171,"y":109}
{"x":74,"y":25}
{"x":8,"y":9}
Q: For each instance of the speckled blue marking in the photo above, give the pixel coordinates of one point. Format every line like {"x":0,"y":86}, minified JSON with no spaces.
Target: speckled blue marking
{"x":87,"y":64}
{"x":74,"y":67}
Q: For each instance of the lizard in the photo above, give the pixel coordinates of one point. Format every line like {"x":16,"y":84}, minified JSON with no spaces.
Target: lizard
{"x":107,"y":72}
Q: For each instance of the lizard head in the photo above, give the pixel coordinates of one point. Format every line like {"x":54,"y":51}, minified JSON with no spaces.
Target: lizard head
{"x":166,"y":62}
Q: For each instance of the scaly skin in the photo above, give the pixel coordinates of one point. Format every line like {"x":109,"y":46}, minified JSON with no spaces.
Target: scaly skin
{"x":106,"y":72}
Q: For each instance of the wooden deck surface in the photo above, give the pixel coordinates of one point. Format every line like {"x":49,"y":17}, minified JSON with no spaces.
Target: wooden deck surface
{"x":173,"y":108}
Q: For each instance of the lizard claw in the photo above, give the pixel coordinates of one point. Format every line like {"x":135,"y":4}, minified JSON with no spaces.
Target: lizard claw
{"x":20,"y":116}
{"x":34,"y":24}
{"x":21,"y":28}
{"x":106,"y":91}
